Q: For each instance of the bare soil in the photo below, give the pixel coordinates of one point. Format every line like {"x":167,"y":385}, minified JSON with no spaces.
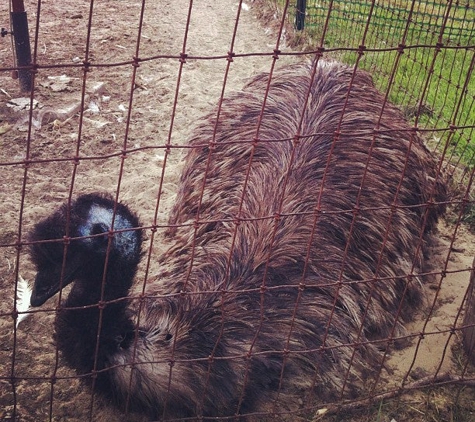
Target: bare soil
{"x":44,"y":388}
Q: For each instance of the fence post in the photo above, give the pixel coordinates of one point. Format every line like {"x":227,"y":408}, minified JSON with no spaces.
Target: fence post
{"x":300,"y":14}
{"x":22,"y":43}
{"x":469,"y":319}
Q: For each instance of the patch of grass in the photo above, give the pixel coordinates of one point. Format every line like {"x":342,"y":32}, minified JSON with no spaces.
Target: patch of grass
{"x":424,"y":57}
{"x":445,"y":404}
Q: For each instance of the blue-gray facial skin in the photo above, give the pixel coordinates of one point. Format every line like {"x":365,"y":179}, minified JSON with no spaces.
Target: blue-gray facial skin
{"x":124,"y":242}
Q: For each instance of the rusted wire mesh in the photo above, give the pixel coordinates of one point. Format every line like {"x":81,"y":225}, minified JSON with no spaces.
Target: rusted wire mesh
{"x":120,"y":87}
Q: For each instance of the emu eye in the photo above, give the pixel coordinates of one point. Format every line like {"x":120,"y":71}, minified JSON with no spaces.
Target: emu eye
{"x":99,"y":228}
{"x":168,"y":337}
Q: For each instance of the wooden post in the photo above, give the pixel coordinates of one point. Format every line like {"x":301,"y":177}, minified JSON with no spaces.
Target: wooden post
{"x":468,"y":331}
{"x":22,"y":43}
{"x":18,"y":6}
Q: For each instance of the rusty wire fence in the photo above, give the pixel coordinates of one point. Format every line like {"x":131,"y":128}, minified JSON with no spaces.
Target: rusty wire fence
{"x":118,"y":89}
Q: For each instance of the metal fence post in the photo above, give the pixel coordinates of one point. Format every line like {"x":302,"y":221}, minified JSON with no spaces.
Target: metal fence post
{"x":300,"y":14}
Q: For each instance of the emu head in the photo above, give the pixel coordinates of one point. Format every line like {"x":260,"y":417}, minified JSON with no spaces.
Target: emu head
{"x":76,"y":243}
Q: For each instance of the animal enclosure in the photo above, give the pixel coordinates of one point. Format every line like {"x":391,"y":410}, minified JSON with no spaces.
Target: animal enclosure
{"x":141,"y":101}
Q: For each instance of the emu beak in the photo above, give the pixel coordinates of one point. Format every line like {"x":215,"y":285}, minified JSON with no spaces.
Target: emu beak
{"x":47,"y":284}
{"x":42,"y":290}
{"x":41,"y":294}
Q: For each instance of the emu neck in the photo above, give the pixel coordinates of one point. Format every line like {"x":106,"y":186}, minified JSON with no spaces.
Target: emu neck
{"x":89,"y":335}
{"x":98,"y":287}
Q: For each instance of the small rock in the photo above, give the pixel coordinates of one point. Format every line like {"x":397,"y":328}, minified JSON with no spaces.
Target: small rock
{"x":21,"y":103}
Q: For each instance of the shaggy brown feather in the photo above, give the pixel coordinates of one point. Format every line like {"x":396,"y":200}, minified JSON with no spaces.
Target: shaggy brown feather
{"x":284,"y":324}
{"x":296,"y":238}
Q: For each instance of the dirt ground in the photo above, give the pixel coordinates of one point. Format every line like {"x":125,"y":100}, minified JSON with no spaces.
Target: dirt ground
{"x":29,"y":352}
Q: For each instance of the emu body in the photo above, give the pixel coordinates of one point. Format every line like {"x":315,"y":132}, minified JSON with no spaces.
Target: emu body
{"x":295,"y":247}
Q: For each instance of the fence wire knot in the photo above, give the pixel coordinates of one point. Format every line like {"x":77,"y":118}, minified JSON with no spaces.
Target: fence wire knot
{"x":136,"y":62}
{"x":401,"y":48}
{"x":183,"y":57}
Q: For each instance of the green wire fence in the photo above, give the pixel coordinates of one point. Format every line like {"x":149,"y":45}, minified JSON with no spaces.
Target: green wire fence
{"x":421,"y":52}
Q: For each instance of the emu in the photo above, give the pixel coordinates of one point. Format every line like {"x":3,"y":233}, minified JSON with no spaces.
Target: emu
{"x":294,"y":252}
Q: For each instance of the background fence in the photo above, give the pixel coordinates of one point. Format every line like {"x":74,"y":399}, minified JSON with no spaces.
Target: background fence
{"x":420,"y":52}
{"x":117,"y":87}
